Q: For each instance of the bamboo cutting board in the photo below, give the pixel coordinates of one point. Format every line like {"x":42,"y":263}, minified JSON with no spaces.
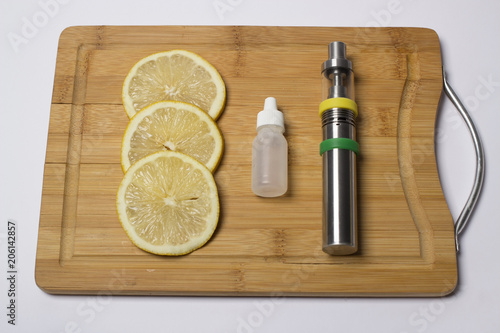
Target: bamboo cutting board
{"x":261,"y":246}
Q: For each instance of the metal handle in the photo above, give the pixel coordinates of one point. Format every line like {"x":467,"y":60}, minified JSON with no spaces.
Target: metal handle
{"x":479,"y":177}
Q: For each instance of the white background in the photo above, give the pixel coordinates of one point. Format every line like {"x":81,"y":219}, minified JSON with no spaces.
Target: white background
{"x":468,"y":32}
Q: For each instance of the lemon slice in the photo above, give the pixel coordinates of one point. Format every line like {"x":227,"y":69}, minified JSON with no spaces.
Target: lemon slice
{"x":173,"y":126}
{"x":177,"y":75}
{"x":168,"y":204}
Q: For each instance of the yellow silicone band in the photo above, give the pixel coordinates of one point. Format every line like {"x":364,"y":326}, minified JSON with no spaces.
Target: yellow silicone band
{"x":338,"y":102}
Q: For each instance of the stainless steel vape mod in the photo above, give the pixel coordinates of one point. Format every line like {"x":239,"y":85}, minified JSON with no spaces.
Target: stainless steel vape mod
{"x":339,"y":148}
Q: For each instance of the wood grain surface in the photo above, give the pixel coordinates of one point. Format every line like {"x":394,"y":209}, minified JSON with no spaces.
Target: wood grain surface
{"x":262,"y":246}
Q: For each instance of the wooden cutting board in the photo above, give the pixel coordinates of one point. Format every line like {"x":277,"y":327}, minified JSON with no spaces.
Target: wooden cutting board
{"x":261,"y":246}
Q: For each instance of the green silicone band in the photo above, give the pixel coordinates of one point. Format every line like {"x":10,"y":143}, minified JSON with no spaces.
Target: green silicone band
{"x":340,"y":143}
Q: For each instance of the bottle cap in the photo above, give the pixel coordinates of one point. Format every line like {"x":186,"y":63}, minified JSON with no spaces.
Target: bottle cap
{"x":270,"y":115}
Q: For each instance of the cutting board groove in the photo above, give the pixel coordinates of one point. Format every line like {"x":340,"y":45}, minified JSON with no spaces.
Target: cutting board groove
{"x":261,"y":246}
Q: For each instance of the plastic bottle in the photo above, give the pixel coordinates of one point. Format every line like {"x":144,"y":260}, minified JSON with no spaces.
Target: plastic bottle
{"x":270,"y":153}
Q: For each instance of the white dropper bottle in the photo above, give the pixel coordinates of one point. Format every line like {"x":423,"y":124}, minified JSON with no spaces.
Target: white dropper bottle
{"x":270,"y":153}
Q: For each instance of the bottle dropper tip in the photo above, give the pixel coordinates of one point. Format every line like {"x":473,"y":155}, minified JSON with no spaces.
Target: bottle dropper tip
{"x":270,"y":104}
